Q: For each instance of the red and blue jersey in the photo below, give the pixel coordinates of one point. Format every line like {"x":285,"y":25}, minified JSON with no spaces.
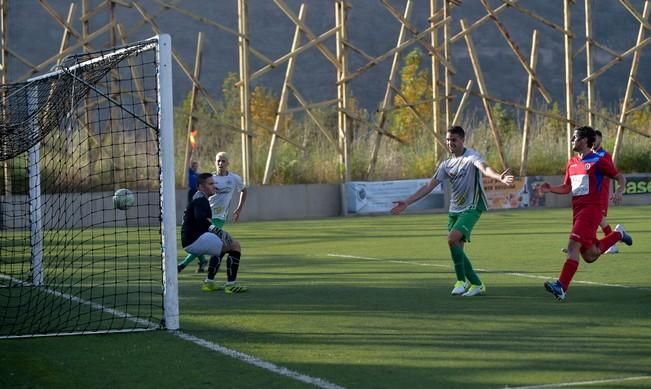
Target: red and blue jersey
{"x":605,"y":191}
{"x":586,"y":175}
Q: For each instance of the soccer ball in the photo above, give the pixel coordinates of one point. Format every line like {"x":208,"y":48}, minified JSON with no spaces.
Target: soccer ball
{"x":123,"y":199}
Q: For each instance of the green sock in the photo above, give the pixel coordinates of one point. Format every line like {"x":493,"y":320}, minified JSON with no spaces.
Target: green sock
{"x":188,"y":259}
{"x":459,"y":263}
{"x":470,"y":272}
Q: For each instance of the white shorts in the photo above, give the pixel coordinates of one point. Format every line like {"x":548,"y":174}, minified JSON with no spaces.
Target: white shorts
{"x":208,"y":243}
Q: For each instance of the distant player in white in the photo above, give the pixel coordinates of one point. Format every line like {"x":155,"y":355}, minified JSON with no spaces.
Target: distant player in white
{"x":227,"y":184}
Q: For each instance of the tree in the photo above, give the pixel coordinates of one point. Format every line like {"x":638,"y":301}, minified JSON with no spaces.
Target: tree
{"x":415,"y":87}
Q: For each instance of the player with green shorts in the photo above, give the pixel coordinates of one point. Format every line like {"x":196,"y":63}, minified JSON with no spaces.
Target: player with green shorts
{"x":463,"y":170}
{"x":226,"y":184}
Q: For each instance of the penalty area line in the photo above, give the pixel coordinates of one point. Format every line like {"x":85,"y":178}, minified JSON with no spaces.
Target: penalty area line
{"x":581,"y":383}
{"x":514,"y":274}
{"x":251,"y":360}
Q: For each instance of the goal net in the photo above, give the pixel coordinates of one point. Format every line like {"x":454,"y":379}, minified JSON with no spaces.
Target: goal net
{"x":70,"y":262}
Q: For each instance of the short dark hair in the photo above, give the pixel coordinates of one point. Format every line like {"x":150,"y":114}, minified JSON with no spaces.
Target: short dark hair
{"x":457,"y":130}
{"x":202,"y":178}
{"x":598,"y":133}
{"x":588,"y":133}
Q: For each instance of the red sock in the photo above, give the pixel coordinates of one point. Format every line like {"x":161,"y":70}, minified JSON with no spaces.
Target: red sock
{"x":609,"y":240}
{"x":606,"y":229}
{"x":569,"y":269}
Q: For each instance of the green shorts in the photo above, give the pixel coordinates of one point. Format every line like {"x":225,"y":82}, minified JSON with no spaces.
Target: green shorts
{"x":218,"y":222}
{"x":463,"y":222}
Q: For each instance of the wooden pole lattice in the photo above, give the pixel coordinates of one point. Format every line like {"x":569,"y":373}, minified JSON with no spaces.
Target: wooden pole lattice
{"x":443,"y":33}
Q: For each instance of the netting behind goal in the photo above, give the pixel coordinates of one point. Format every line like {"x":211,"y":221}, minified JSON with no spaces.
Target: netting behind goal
{"x":70,"y":262}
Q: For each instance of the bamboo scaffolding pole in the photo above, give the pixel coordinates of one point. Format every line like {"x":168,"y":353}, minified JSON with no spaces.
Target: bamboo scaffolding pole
{"x":143,"y":22}
{"x":477,"y":23}
{"x":569,"y":90}
{"x":211,"y":23}
{"x":66,"y":30}
{"x":632,"y":51}
{"x":646,"y":95}
{"x":411,"y":28}
{"x":86,"y":17}
{"x":307,"y":106}
{"x":604,"y":48}
{"x":282,"y":103}
{"x":275,"y":63}
{"x":547,"y":114}
{"x":301,"y":100}
{"x":412,"y":107}
{"x":518,"y":53}
{"x":67,"y":26}
{"x":640,"y":18}
{"x":342,"y":89}
{"x":177,"y":58}
{"x":307,"y":31}
{"x":245,"y":89}
{"x":189,"y":147}
{"x":628,"y":127}
{"x":370,"y":169}
{"x":114,"y":85}
{"x":148,"y":19}
{"x":20,"y":58}
{"x":588,"y":60}
{"x":447,"y":54}
{"x":462,"y":104}
{"x":85,"y":32}
{"x":43,"y":65}
{"x":512,"y":104}
{"x":360,"y":119}
{"x":629,"y":84}
{"x":409,"y":104}
{"x":479,"y":76}
{"x":435,"y":70}
{"x":533,"y":59}
{"x":350,"y":45}
{"x":237,"y":129}
{"x":535,"y":16}
{"x":139,"y":88}
{"x":389,"y":53}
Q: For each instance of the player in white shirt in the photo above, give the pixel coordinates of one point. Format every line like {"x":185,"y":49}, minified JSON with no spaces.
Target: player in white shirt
{"x":463,"y":170}
{"x":226,"y":184}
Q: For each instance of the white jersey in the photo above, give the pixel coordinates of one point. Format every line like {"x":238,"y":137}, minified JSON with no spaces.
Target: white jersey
{"x":467,"y":189}
{"x":225,"y":187}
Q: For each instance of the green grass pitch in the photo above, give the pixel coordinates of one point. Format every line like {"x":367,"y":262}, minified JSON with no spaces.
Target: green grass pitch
{"x":363,"y":302}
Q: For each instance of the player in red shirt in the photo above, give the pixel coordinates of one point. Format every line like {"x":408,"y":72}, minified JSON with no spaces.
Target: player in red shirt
{"x":584,"y":177}
{"x":605,"y":191}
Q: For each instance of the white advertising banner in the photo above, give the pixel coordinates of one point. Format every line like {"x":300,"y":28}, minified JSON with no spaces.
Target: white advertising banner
{"x":378,"y":196}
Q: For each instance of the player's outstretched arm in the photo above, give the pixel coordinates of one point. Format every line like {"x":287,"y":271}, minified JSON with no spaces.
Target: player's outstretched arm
{"x":546,"y":187}
{"x":401,"y":205}
{"x":504,"y":177}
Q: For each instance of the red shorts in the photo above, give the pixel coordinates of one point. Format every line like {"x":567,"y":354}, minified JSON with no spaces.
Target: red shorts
{"x":585,"y":221}
{"x":604,"y":209}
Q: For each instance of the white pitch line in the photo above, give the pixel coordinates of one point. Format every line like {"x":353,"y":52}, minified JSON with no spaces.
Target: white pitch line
{"x":251,"y":360}
{"x":515,"y":274}
{"x":581,"y":383}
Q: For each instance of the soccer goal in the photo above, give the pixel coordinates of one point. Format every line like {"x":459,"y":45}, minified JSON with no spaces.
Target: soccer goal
{"x":70,"y":261}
